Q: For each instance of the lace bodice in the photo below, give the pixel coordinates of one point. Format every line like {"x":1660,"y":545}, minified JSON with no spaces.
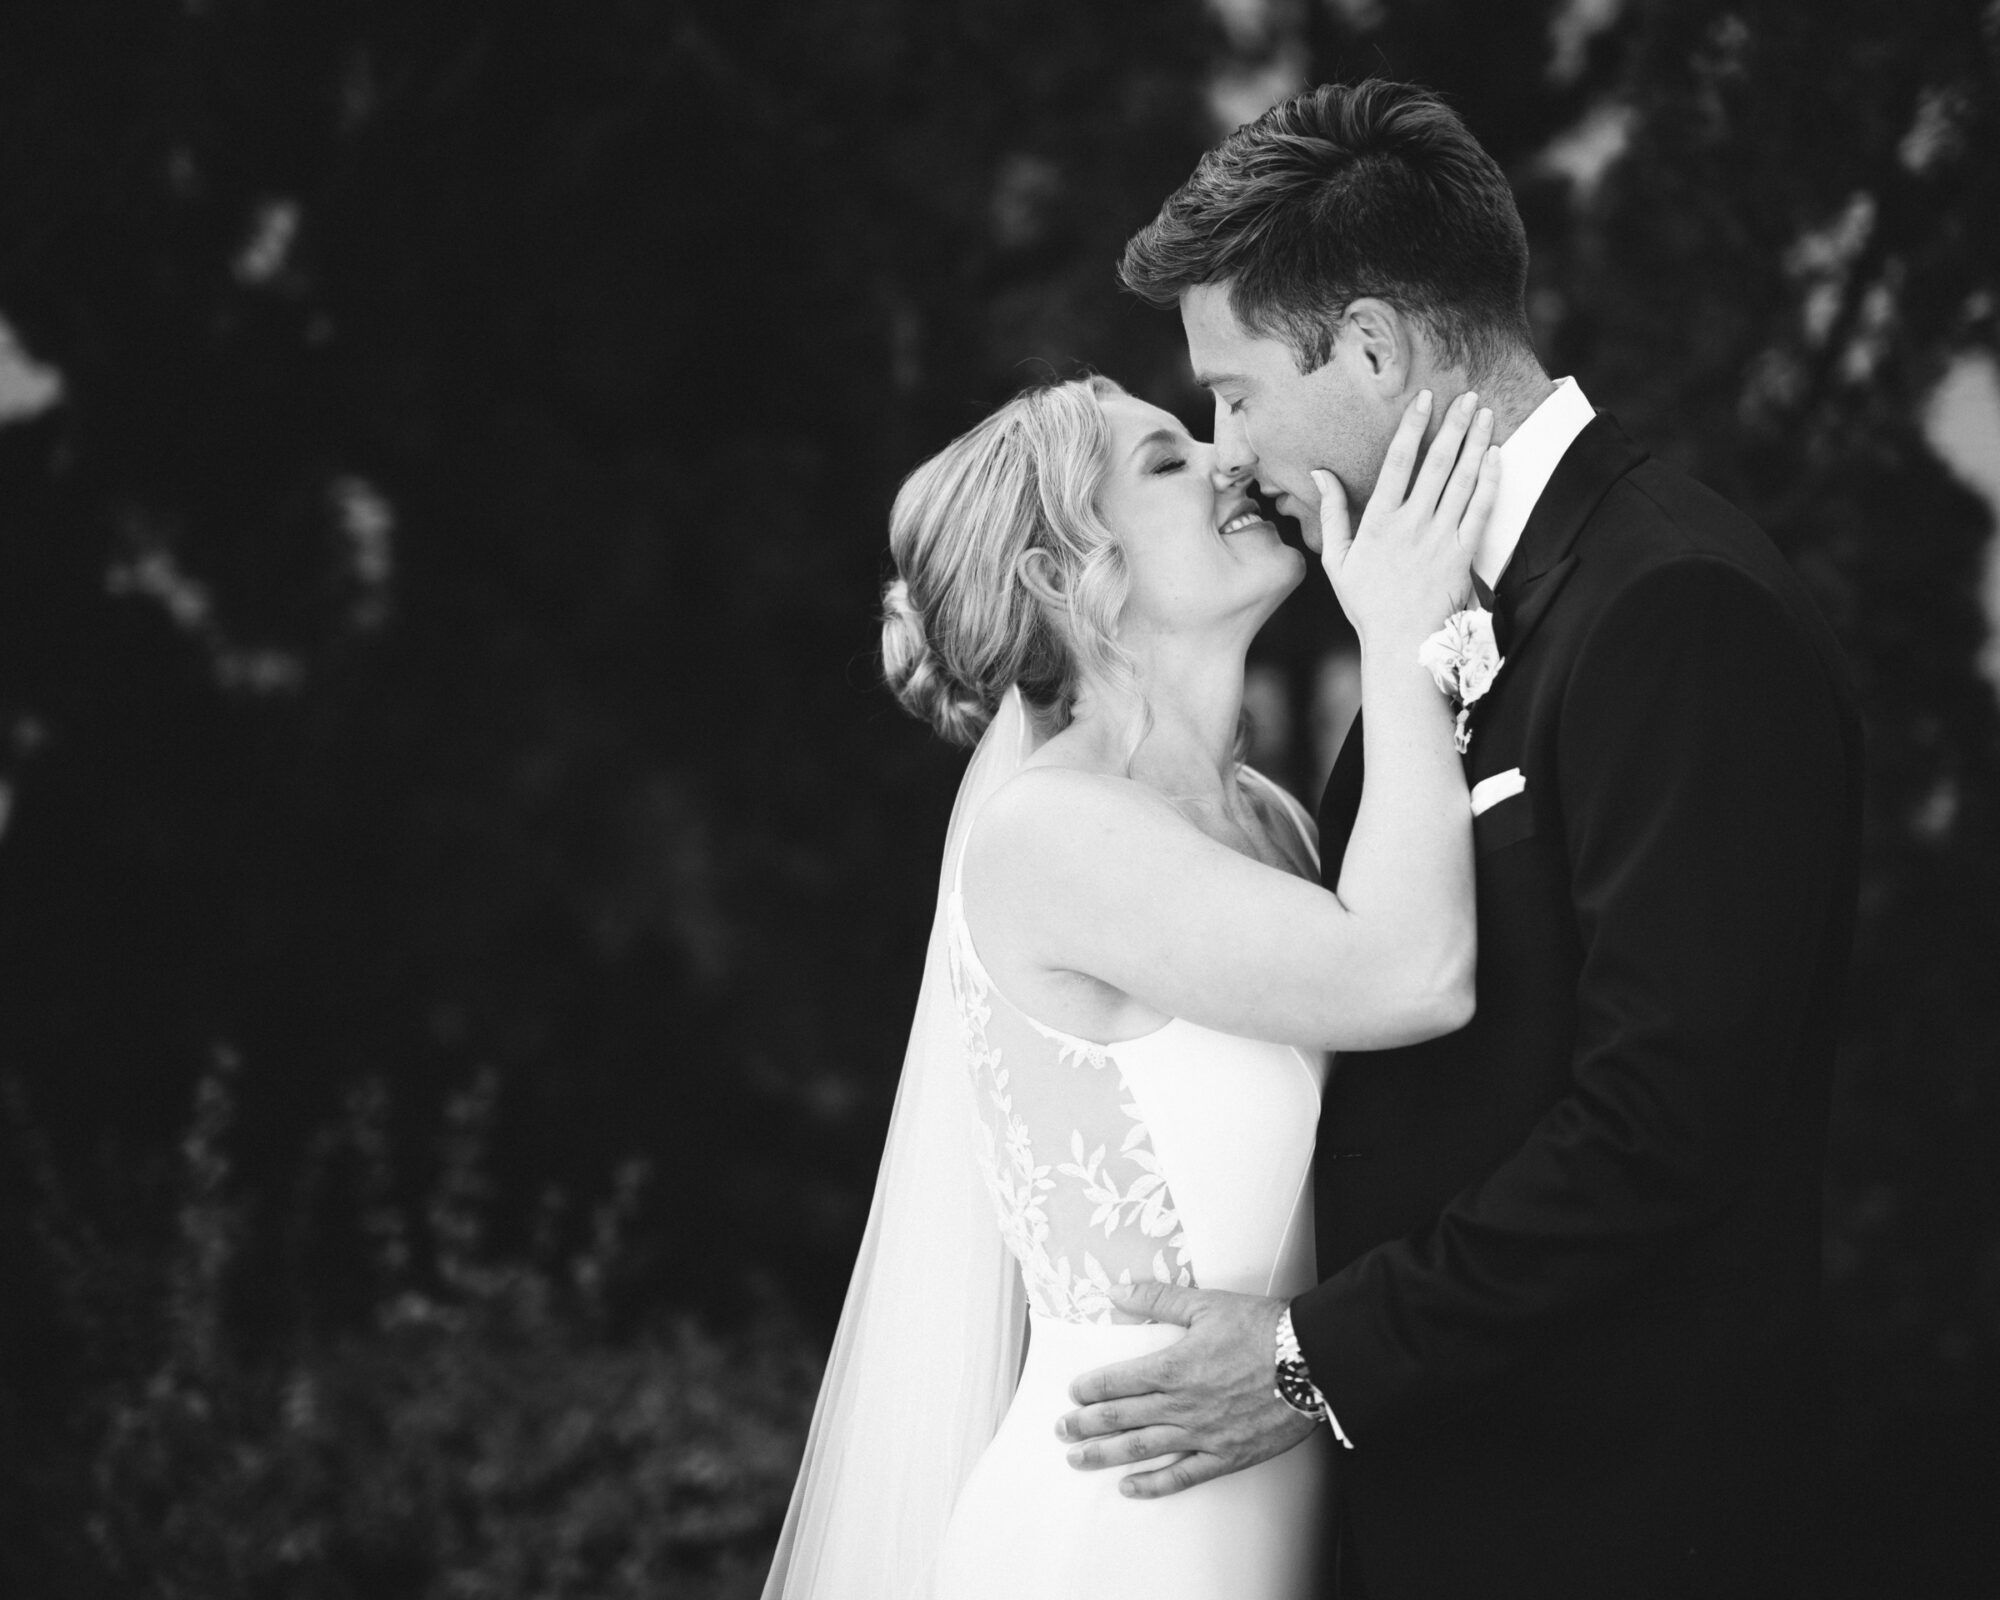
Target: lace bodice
{"x":1063,"y":1147}
{"x":1067,"y":1140}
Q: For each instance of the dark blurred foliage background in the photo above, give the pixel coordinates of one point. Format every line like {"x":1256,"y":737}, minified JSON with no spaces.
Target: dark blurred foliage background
{"x":461,"y":886}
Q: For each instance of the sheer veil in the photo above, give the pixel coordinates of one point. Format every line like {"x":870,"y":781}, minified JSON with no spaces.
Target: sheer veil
{"x":931,"y":1334}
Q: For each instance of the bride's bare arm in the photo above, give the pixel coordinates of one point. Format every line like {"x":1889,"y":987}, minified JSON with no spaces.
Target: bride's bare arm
{"x":1118,"y":885}
{"x":1408,"y":870}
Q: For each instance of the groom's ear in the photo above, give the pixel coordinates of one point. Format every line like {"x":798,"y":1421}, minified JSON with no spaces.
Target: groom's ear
{"x":1379,"y":345}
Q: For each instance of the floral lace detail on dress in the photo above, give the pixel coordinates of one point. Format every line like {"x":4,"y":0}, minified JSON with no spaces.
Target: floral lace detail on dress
{"x":1077,"y":1226}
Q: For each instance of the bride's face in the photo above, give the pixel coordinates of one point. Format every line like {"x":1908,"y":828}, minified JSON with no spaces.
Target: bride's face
{"x":1198,"y":553}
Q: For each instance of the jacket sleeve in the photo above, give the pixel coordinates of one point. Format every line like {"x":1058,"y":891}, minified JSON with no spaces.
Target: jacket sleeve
{"x":1701,"y":782}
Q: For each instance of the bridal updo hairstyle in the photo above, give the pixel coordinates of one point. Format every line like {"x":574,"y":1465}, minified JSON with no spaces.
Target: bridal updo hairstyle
{"x":1005,"y":573}
{"x":1374,"y":189}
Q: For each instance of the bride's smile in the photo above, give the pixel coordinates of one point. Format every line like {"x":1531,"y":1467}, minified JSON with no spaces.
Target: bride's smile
{"x":1202,"y":559}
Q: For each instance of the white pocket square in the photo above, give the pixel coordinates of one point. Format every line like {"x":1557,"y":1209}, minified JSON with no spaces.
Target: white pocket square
{"x":1489,"y":792}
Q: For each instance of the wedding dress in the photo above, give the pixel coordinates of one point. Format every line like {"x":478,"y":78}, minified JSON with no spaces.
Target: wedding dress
{"x":1028,"y":1171}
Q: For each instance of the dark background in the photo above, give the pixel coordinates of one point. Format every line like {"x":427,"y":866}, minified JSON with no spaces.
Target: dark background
{"x":461,"y":884}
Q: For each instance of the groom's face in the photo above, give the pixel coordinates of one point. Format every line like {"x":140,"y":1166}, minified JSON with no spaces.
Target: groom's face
{"x":1278,"y":423}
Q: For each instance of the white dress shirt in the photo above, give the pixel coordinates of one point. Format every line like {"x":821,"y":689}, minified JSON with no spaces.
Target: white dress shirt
{"x":1527,"y":461}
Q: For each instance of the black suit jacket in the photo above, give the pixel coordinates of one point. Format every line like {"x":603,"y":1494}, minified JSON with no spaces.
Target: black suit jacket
{"x":1571,"y":1253}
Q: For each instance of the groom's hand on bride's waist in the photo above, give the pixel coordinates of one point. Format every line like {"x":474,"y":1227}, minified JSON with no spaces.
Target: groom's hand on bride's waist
{"x":1209,"y":1395}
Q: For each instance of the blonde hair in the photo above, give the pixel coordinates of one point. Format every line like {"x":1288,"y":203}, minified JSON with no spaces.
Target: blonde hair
{"x":1005,"y":572}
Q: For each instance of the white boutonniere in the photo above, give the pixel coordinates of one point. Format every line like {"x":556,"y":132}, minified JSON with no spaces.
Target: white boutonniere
{"x":1463,"y":659}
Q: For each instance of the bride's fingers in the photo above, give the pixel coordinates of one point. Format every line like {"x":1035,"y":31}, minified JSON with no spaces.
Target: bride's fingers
{"x":1336,"y":528}
{"x":1484,"y":492}
{"x":1124,"y":1449}
{"x":1444,"y":454}
{"x":1464,"y":478}
{"x":1393,"y":483}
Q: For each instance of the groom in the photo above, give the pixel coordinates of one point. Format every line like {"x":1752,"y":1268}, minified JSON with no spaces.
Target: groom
{"x":1570,"y":1254}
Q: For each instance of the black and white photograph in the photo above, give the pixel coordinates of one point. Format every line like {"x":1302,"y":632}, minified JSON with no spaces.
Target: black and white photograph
{"x":999,"y":800}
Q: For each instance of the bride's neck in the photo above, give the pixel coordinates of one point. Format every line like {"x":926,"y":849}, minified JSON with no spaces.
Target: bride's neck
{"x":1183,"y":710}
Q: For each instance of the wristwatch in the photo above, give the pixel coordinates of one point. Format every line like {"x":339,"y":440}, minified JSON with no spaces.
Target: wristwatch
{"x":1295,"y":1385}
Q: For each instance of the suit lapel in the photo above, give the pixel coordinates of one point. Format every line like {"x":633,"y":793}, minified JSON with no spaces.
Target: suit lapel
{"x":1596,"y":459}
{"x":1542,"y":562}
{"x":1517,"y":611}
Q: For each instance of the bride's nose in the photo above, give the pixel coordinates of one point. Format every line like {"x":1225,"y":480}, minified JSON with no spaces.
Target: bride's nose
{"x":1226,"y":474}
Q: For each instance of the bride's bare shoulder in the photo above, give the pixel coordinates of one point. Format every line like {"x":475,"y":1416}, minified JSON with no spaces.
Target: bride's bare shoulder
{"x":1042,"y":800}
{"x":1061,"y":812}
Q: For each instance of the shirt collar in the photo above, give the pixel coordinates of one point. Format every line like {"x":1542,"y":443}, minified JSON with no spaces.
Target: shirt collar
{"x":1527,"y":461}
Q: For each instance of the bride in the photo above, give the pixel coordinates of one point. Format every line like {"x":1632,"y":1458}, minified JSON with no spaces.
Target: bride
{"x":1116,"y":1062}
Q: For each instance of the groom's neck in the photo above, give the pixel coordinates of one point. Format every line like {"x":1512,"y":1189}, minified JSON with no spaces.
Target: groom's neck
{"x":1513,"y":387}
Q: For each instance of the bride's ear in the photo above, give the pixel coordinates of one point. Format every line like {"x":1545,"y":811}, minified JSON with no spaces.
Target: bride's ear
{"x":1040,"y":576}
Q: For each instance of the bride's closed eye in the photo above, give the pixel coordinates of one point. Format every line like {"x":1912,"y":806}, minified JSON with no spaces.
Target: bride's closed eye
{"x":1169,"y":464}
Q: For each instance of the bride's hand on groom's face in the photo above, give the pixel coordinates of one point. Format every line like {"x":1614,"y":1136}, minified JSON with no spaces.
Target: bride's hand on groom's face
{"x":1210,"y":1395}
{"x":1407,"y":565}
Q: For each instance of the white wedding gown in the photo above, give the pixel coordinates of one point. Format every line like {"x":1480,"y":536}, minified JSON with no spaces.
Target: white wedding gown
{"x":1185,"y":1156}
{"x":932,"y":1470}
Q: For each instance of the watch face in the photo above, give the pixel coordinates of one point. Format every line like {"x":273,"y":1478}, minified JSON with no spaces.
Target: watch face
{"x":1296,"y":1390}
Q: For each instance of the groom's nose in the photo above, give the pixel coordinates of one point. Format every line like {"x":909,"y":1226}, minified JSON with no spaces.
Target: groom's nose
{"x":1234,"y":458}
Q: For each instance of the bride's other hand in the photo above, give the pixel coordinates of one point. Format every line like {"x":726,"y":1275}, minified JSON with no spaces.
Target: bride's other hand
{"x":1408,"y":564}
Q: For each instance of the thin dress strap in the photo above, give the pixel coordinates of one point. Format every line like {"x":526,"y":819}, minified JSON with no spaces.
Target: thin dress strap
{"x":1302,"y":824}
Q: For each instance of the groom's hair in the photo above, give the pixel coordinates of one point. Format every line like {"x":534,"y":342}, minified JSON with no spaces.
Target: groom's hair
{"x":1344,"y":191}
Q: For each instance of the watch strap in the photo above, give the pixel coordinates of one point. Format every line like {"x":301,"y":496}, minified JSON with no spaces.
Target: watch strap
{"x":1294,"y":1385}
